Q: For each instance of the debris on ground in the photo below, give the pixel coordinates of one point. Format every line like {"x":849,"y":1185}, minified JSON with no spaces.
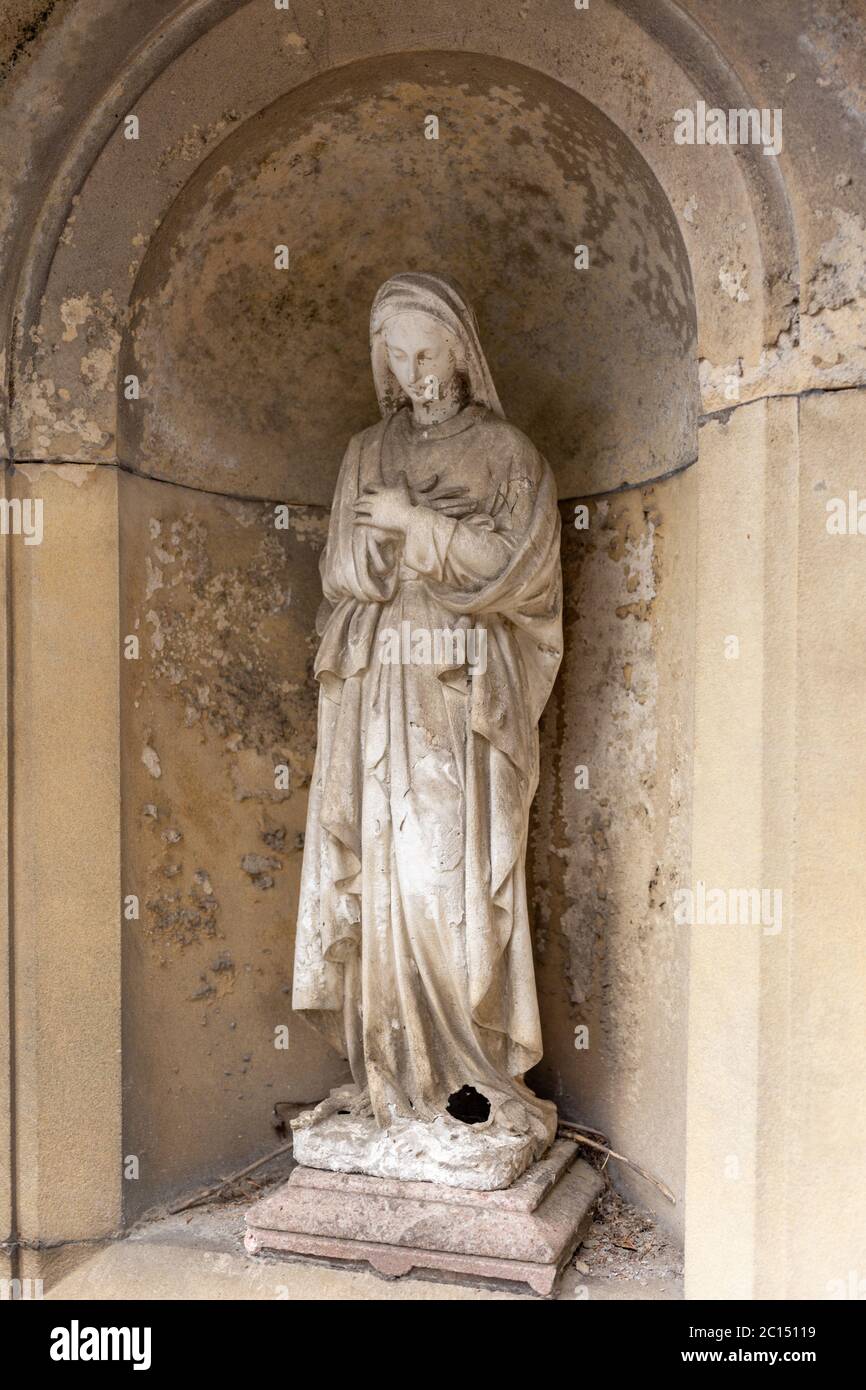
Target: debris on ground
{"x":624,"y":1242}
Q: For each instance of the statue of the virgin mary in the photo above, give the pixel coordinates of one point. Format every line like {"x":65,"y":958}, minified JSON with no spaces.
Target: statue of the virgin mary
{"x":413,"y":952}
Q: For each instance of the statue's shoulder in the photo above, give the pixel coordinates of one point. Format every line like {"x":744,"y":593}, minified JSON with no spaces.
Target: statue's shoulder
{"x":511,"y":443}
{"x":367,"y":438}
{"x":352,"y":465}
{"x":505,"y":433}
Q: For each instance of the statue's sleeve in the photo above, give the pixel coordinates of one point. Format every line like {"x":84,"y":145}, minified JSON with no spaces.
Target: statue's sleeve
{"x":476,"y":549}
{"x":355,"y":563}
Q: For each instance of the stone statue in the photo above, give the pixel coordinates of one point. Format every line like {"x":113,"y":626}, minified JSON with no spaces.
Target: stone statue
{"x":441,"y":635}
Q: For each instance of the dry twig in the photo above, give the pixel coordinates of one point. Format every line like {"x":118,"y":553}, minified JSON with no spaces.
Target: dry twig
{"x":209,"y":1192}
{"x":571,"y":1132}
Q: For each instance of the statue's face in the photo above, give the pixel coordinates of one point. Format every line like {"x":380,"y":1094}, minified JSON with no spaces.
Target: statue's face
{"x":420,"y":348}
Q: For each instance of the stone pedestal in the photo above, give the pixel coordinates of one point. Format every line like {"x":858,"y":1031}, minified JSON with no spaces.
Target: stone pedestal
{"x":525,"y":1233}
{"x":482,"y":1157}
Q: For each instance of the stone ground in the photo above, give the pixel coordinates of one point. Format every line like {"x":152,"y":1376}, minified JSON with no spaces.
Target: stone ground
{"x":199,"y":1254}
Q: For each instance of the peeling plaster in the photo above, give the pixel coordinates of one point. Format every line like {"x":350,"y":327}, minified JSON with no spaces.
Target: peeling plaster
{"x":150,"y":758}
{"x":825,"y":346}
{"x":840,"y":277}
{"x":50,"y":419}
{"x":604,"y":859}
{"x":836,"y":39}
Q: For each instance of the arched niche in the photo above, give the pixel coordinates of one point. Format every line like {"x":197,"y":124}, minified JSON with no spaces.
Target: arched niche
{"x":252,"y":377}
{"x":87,"y":201}
{"x":252,"y":380}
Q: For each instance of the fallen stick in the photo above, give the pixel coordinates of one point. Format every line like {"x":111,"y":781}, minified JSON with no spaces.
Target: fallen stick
{"x":209,"y":1192}
{"x":570,"y":1132}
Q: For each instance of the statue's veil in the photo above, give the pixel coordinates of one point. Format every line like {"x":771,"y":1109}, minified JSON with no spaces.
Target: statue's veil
{"x":442,"y":299}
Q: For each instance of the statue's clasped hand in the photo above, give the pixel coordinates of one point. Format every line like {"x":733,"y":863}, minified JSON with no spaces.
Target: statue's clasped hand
{"x":389,"y":508}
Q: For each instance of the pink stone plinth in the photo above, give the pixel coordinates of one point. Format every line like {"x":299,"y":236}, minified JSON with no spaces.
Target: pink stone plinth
{"x":525,"y":1233}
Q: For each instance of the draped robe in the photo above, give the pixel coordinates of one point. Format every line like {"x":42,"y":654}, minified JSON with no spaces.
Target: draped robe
{"x":413,"y":951}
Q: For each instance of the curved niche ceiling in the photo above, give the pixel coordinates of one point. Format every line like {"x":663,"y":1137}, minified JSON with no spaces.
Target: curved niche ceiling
{"x":253,"y":378}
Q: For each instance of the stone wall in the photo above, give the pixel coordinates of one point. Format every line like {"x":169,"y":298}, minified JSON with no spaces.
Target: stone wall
{"x":218,"y":703}
{"x":607,"y":857}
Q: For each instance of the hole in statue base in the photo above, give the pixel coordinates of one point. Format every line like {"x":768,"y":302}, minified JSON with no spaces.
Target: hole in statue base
{"x":468,"y":1105}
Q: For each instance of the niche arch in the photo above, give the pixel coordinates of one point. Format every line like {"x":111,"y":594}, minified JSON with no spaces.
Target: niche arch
{"x":77,"y":231}
{"x":253,"y":378}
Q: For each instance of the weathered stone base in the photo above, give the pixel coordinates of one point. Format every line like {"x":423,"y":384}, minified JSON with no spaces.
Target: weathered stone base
{"x":441,"y":1151}
{"x":524,"y":1234}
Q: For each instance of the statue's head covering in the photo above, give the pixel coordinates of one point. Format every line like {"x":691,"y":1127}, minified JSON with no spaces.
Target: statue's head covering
{"x":442,"y":299}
